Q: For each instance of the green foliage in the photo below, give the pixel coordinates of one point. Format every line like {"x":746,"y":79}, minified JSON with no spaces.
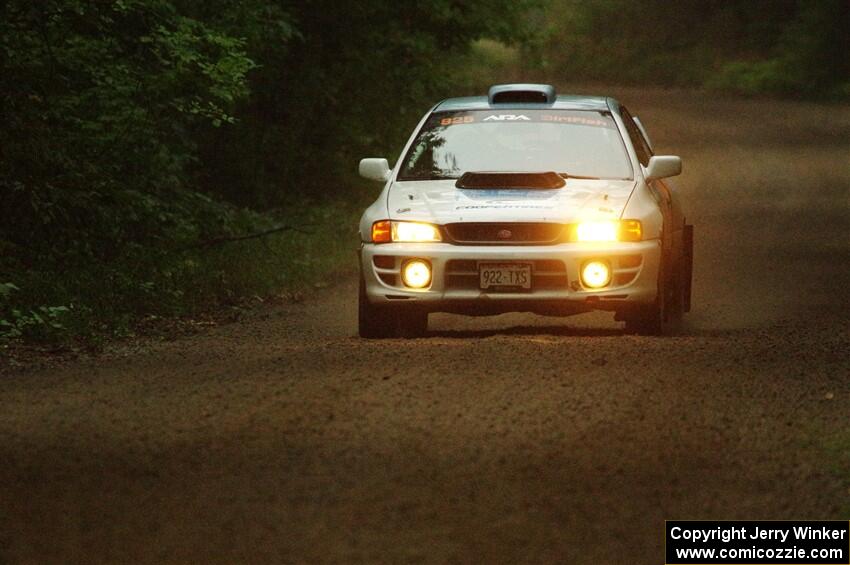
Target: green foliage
{"x":6,"y":290}
{"x":134,"y":129}
{"x":109,"y":298}
{"x":788,"y":47}
{"x":44,"y":322}
{"x":751,"y":77}
{"x":351,"y":82}
{"x":102,"y":99}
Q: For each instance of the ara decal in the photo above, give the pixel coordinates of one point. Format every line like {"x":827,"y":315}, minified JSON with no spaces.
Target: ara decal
{"x":507,"y":118}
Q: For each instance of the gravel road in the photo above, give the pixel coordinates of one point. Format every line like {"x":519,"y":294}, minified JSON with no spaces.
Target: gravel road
{"x":282,"y":437}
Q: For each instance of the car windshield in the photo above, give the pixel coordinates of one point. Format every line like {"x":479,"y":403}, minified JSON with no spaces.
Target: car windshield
{"x":574,"y":143}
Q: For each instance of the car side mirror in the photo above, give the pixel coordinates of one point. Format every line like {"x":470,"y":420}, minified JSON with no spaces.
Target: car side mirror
{"x":375,"y":169}
{"x":663,"y":166}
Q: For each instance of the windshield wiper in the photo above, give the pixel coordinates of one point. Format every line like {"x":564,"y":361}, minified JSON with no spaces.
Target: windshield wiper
{"x":427,"y":177}
{"x":572,"y":176}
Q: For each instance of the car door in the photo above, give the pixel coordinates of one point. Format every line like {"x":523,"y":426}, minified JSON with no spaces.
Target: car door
{"x":662,"y":189}
{"x":676,"y":240}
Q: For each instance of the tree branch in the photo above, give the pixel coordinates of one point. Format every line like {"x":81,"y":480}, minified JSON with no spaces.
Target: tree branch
{"x":228,"y":239}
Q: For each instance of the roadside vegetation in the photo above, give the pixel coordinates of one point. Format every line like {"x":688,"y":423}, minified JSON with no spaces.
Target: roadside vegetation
{"x":146,"y":142}
{"x":792,"y":48}
{"x":167,"y":157}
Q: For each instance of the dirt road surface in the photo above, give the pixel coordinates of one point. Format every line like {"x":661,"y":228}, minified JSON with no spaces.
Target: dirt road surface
{"x":284,"y":438}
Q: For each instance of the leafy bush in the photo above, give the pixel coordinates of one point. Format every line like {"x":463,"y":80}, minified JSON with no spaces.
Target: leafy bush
{"x":44,"y":322}
{"x":751,"y":77}
{"x":788,"y":47}
{"x":135,"y":130}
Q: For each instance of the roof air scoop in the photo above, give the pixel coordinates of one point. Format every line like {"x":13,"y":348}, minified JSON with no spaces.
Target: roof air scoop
{"x":522,"y":94}
{"x":490,"y":180}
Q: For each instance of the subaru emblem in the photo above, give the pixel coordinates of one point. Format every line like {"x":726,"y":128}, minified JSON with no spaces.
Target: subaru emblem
{"x":504,"y":234}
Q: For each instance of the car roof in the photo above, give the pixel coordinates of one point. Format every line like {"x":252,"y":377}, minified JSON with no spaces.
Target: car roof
{"x":562,"y":102}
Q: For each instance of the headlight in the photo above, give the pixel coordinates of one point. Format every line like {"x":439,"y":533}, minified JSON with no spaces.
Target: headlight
{"x":386,"y":231}
{"x":614,"y":230}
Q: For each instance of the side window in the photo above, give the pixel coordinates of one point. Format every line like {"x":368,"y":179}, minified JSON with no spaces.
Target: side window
{"x":641,"y":148}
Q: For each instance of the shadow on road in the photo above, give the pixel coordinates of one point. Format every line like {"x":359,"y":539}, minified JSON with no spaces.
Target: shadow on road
{"x":553,"y":330}
{"x":572,"y":331}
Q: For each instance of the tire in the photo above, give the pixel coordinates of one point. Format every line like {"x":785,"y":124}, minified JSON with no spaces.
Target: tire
{"x":646,"y":321}
{"x":411,"y":323}
{"x":664,"y":316}
{"x":374,"y":322}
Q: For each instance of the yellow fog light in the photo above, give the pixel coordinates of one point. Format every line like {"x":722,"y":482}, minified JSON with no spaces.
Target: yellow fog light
{"x":416,"y":273}
{"x":595,"y":274}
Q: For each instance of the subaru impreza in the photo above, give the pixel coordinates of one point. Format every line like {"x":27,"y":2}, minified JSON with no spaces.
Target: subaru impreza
{"x":525,"y":200}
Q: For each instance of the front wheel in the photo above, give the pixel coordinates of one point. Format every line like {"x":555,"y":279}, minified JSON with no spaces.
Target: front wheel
{"x":372,"y":322}
{"x":375,"y":322}
{"x":411,"y":323}
{"x":664,"y":316}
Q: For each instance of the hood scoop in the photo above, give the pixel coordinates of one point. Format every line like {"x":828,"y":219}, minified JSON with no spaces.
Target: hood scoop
{"x":521,"y":181}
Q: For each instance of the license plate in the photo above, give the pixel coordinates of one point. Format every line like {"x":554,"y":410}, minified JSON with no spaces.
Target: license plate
{"x":504,"y":276}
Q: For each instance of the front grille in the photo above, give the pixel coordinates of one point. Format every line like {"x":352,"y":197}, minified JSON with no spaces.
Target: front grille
{"x":504,"y":233}
{"x":462,"y":274}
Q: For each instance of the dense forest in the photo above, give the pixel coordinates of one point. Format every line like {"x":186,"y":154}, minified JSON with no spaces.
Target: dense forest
{"x":139,"y":137}
{"x":793,"y":48}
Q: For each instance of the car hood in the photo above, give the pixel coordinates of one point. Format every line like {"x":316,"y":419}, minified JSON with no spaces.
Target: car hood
{"x":441,"y":202}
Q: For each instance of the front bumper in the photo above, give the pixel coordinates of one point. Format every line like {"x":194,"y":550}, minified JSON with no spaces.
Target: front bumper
{"x":556,"y":285}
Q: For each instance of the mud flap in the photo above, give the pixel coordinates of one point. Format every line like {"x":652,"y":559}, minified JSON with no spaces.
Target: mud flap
{"x":688,"y":266}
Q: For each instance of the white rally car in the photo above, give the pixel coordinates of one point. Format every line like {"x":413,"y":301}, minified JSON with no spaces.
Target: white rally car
{"x":526,"y":201}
